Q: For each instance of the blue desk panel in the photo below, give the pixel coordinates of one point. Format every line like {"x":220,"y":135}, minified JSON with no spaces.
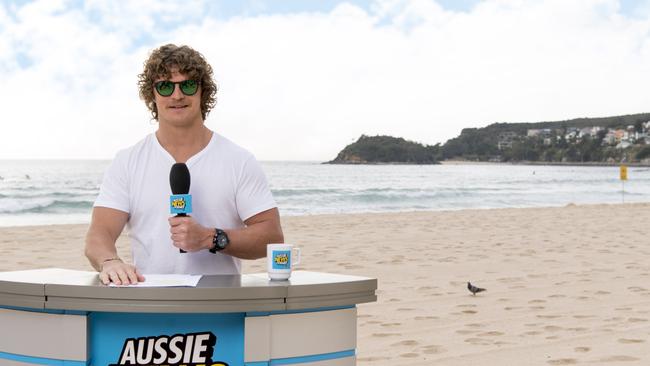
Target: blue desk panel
{"x":109,"y":333}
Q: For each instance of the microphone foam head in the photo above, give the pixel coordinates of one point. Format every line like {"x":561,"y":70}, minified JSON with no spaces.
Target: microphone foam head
{"x":179,"y":179}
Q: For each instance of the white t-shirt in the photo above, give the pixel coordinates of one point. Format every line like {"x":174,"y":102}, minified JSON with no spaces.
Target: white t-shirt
{"x":227,"y":186}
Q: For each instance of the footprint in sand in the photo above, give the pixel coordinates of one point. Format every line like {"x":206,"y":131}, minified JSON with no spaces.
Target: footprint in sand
{"x":531,"y":333}
{"x":563,"y":361}
{"x":618,"y":358}
{"x":637,"y":320}
{"x":478,"y":341}
{"x":433,"y":349}
{"x":409,"y":355}
{"x":630,"y":341}
{"x":372,"y":359}
{"x":391,"y":324}
{"x":466,"y":331}
{"x":615,"y":319}
{"x":491,"y":334}
{"x":552,"y":328}
{"x":510,"y":279}
{"x":425,"y":288}
{"x":383,"y":335}
{"x":426,"y":318}
{"x":582,"y":349}
{"x":637,"y":289}
{"x":354,"y":266}
{"x":578,"y":329}
{"x":408,"y":342}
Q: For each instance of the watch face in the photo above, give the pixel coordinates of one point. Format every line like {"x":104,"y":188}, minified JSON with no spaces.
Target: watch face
{"x":222,"y":241}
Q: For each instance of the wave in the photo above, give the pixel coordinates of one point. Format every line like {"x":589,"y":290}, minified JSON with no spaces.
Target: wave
{"x":53,"y":206}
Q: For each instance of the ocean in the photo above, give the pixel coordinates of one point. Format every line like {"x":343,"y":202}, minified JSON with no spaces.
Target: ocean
{"x":41,"y":192}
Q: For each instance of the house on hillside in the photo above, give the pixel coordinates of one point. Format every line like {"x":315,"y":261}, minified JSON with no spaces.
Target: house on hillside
{"x":623,"y":144}
{"x":610,"y":138}
{"x":506,"y":139}
{"x":589,"y":131}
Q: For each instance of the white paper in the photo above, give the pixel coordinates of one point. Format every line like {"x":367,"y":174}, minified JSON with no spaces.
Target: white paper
{"x":165,"y":280}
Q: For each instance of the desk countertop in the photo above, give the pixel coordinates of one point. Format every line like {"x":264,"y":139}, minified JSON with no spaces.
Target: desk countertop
{"x":62,"y":289}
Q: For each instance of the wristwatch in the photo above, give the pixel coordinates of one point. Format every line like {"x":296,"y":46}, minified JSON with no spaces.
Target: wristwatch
{"x":220,"y":241}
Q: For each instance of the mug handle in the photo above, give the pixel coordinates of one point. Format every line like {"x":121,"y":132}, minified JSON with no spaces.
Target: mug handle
{"x":296,"y":260}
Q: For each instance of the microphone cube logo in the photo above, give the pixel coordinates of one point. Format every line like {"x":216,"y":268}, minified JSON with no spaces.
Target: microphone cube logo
{"x":281,"y":259}
{"x":180,"y":204}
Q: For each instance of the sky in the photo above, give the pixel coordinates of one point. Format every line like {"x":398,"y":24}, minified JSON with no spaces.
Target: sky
{"x":300,"y":80}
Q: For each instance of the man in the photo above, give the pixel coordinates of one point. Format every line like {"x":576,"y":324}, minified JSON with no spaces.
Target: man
{"x":234,"y":214}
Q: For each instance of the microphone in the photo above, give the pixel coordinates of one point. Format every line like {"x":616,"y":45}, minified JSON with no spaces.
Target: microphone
{"x":180,"y":202}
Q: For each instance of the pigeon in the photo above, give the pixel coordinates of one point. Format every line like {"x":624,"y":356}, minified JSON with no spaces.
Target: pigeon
{"x":473,"y":289}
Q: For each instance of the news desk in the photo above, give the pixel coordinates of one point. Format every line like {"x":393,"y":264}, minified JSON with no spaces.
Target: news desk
{"x":65,"y":317}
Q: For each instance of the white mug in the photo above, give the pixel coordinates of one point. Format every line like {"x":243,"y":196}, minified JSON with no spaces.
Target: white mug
{"x":280,"y":259}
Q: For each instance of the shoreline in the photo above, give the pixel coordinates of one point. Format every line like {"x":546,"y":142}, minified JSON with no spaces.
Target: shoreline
{"x":543,"y":163}
{"x":378,"y":213}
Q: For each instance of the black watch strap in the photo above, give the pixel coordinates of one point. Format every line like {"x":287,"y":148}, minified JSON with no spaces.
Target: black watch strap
{"x":219,"y":241}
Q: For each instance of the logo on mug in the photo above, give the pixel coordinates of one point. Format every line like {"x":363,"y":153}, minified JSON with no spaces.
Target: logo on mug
{"x":281,"y":259}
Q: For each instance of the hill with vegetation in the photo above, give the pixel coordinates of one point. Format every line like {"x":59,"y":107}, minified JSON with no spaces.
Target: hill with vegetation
{"x":593,"y":140}
{"x":584,"y":140}
{"x":387,"y":150}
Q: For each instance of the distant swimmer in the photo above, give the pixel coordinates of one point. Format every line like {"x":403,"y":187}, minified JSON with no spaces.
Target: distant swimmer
{"x":473,"y":289}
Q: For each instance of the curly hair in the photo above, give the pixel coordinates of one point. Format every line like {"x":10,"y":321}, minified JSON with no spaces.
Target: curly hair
{"x":189,"y":62}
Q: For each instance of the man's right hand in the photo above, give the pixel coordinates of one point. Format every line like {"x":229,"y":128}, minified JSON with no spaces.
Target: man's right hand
{"x":119,"y":273}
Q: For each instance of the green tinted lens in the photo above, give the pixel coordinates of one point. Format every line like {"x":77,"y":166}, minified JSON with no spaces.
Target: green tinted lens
{"x":189,"y":87}
{"x":165,"y":88}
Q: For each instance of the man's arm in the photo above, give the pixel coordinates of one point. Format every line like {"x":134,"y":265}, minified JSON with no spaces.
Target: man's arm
{"x":245,"y":243}
{"x":105,"y":227}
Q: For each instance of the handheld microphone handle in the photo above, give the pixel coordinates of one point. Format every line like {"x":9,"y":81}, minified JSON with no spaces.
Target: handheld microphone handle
{"x":181,"y":215}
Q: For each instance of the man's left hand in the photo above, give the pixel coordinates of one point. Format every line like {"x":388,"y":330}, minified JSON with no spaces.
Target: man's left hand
{"x":188,"y":235}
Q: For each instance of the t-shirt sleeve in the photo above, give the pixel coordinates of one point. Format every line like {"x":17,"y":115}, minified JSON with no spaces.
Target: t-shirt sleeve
{"x":114,"y":191}
{"x":253,"y":193}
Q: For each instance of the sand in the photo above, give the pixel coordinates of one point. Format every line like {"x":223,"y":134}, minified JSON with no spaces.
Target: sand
{"x":565,"y":285}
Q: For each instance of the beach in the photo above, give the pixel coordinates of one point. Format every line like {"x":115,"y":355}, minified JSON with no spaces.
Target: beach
{"x":565,"y":285}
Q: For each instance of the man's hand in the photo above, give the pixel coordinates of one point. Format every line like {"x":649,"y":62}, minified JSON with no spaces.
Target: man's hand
{"x":188,"y":235}
{"x":119,"y":273}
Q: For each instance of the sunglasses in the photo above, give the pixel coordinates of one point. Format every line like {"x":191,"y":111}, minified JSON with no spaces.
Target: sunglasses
{"x":166,"y":88}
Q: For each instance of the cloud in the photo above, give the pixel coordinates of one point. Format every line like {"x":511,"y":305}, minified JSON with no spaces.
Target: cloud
{"x":300,"y":86}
